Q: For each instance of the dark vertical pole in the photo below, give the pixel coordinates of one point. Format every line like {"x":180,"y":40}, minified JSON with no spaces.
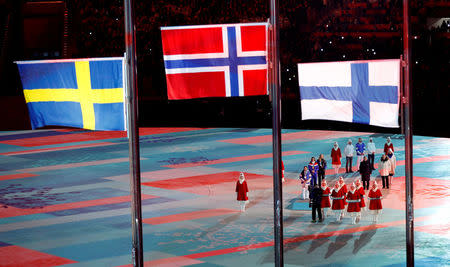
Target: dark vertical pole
{"x":276,"y":135}
{"x":407,"y":101}
{"x":133,"y":130}
{"x":402,"y":95}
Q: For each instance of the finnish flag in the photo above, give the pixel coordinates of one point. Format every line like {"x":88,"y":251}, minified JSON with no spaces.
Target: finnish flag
{"x":365,"y":92}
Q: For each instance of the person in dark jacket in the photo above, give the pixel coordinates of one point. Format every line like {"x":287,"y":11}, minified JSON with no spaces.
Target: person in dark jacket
{"x":314,"y":202}
{"x":322,"y":167}
{"x":365,"y":170}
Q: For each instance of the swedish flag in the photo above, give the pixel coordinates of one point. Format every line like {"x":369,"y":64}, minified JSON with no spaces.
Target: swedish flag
{"x":87,"y":93}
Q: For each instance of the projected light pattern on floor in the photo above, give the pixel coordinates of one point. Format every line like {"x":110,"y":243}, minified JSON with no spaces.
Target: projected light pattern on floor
{"x":64,"y":200}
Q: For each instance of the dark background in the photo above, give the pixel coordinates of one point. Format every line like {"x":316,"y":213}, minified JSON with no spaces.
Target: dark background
{"x":311,"y":31}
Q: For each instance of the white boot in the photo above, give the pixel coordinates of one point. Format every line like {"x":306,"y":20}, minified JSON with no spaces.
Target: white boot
{"x":242,"y":204}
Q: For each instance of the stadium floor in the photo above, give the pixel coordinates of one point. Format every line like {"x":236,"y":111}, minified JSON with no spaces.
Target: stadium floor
{"x":64,"y":198}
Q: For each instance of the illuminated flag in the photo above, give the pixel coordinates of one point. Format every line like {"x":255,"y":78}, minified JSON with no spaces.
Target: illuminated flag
{"x":82,"y":93}
{"x":215,"y":60}
{"x":365,"y":92}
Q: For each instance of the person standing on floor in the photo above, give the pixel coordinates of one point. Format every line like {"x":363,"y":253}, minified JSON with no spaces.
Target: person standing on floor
{"x":338,"y":206}
{"x":384,"y":166}
{"x":315,"y":202}
{"x":313,"y":168}
{"x":343,"y":187}
{"x":371,"y":149}
{"x":354,"y":200}
{"x":325,"y":204}
{"x":305,"y":181}
{"x":242,"y":191}
{"x":362,"y":193}
{"x":349,"y":151}
{"x":375,"y":197}
{"x":322,"y":163}
{"x":388,"y":145}
{"x":393,"y":162}
{"x":365,"y":170}
{"x":360,"y":150}
{"x":336,"y":158}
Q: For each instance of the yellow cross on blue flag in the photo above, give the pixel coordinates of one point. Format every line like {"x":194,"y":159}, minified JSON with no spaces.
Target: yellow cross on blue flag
{"x":81,"y":93}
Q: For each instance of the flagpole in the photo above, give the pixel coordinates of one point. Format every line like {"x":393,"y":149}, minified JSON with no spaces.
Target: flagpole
{"x":407,"y":113}
{"x":402,"y":94}
{"x":133,"y":130}
{"x":276,"y":135}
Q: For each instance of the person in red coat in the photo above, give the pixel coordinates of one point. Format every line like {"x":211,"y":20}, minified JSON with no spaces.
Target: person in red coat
{"x":388,"y":145}
{"x":375,"y":197}
{"x":354,"y":200}
{"x":242,"y":191}
{"x":336,"y":158}
{"x":343,"y":188}
{"x":282,"y":171}
{"x":338,"y":206}
{"x":325,"y":204}
{"x":361,"y":191}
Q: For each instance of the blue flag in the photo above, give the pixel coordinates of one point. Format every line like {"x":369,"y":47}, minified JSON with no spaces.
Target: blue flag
{"x":365,"y":92}
{"x":87,"y":93}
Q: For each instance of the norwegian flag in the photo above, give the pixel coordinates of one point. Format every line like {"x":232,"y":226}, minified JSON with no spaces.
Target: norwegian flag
{"x":222,"y":60}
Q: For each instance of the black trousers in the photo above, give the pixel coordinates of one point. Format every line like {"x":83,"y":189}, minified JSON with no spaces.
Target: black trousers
{"x":348,"y":164}
{"x":316,"y":208}
{"x":366,"y":184}
{"x":385,"y":180}
{"x":321,"y":176}
{"x":371,"y":158}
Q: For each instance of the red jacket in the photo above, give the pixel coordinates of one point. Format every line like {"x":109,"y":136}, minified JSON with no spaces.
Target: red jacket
{"x":375,"y":199}
{"x":354,"y":200}
{"x":360,"y":189}
{"x":338,"y":199}
{"x":387,"y":147}
{"x":325,"y":198}
{"x":344,"y":192}
{"x":336,"y":156}
{"x":242,"y":190}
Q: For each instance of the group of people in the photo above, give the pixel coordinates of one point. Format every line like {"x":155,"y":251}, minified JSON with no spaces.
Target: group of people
{"x":343,"y":201}
{"x":314,"y":172}
{"x":366,"y":160}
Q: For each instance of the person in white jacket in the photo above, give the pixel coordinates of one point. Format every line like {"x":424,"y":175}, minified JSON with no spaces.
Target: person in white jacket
{"x":384,"y":166}
{"x":393,"y":161}
{"x":349,"y":151}
{"x":371,"y":149}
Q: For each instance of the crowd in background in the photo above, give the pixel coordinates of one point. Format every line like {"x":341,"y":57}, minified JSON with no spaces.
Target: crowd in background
{"x":310,"y":31}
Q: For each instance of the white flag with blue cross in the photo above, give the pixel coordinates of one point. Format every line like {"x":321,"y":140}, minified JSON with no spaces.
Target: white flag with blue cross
{"x":365,"y":92}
